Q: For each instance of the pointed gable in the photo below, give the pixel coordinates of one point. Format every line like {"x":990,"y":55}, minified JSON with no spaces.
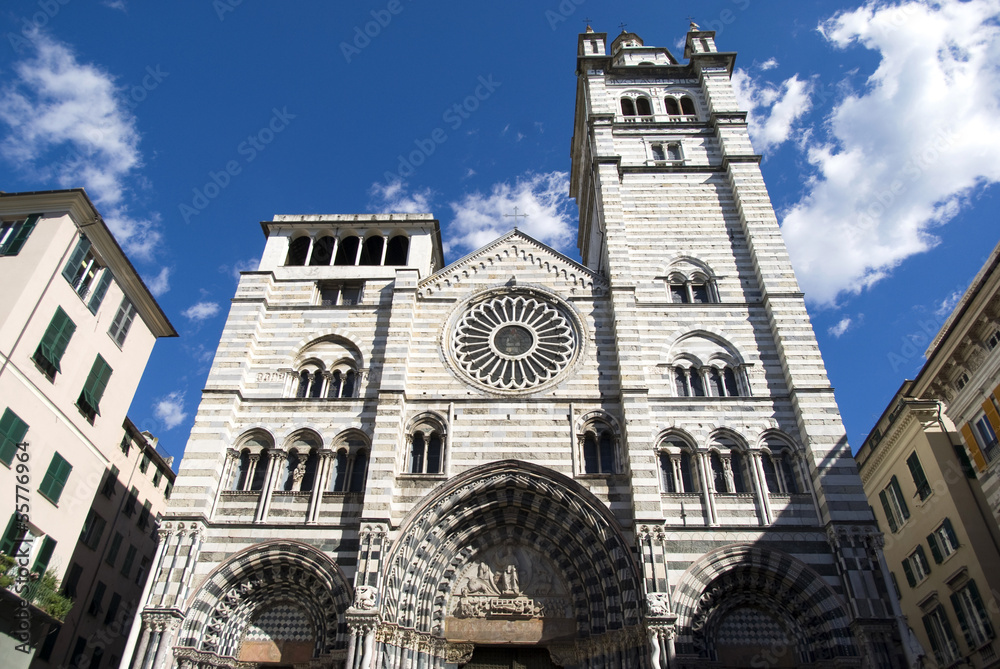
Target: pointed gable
{"x":514,"y":255}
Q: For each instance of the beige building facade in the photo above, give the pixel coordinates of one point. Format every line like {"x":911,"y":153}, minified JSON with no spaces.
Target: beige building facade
{"x":77,"y":326}
{"x":521,"y":460}
{"x":963,"y":369}
{"x":942,"y":546}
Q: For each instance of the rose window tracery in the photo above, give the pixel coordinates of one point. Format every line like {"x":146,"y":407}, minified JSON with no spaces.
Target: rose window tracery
{"x":513,"y":342}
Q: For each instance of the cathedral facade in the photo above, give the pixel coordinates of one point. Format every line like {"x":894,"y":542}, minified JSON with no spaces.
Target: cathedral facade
{"x":518,"y":460}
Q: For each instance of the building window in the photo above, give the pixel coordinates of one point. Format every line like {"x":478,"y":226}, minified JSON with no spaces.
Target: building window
{"x":916,"y":567}
{"x":116,"y":544}
{"x":126,"y":569}
{"x":126,"y":444}
{"x":943,"y":541}
{"x":13,"y":536}
{"x":942,"y":640}
{"x":298,"y":251}
{"x":55,"y":478}
{"x":97,"y":601}
{"x":72,"y":580}
{"x":779,"y":470}
{"x":680,"y":109}
{"x":12,"y":433}
{"x":93,"y":529}
{"x":143,"y":521}
{"x":896,"y":511}
{"x":322,"y":251}
{"x":628,"y":107}
{"x":676,"y":469}
{"x":667,"y":152}
{"x":919,"y":480}
{"x":994,"y":340}
{"x":113,"y":605}
{"x":688,"y":382}
{"x":144,"y":463}
{"x":93,"y":390}
{"x":169,"y":488}
{"x":961,"y":381}
{"x":343,"y":383}
{"x":50,"y":642}
{"x":82,"y":272}
{"x":133,"y":497}
{"x":77,"y":660}
{"x":140,"y":574}
{"x":54,"y":342}
{"x":110,"y":482}
{"x":973,"y":617}
{"x":347,"y":251}
{"x":350,"y":468}
{"x":986,"y":437}
{"x":426,"y":451}
{"x":341,"y":294}
{"x":690,"y":291}
{"x":599,"y":449}
{"x":13,"y":234}
{"x":397,"y":251}
{"x":44,"y":555}
{"x":122,"y":322}
{"x":157,"y":477}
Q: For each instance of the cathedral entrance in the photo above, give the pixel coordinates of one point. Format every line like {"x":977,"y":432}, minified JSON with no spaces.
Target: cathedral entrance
{"x":487,"y":657}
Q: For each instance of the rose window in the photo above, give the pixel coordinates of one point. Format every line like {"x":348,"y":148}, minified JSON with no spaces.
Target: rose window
{"x":513,"y":342}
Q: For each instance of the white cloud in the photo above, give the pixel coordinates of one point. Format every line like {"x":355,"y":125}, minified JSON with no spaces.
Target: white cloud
{"x":67,"y":124}
{"x":248,"y":265}
{"x":768,"y":64}
{"x":160,"y":284}
{"x":116,"y":4}
{"x":393,"y":197}
{"x":948,"y":304}
{"x":170,"y":409}
{"x":481,"y":218}
{"x":201,"y":311}
{"x":903,"y":155}
{"x":772,"y":110}
{"x":840,"y":328}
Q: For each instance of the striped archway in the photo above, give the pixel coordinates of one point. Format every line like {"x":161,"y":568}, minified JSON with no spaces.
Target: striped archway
{"x":779,"y":588}
{"x":513,"y":503}
{"x":232,"y":600}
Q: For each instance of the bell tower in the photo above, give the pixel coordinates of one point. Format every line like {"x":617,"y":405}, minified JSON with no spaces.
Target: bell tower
{"x":715,"y":351}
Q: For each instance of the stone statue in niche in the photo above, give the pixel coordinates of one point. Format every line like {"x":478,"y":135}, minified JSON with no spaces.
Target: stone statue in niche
{"x":510,"y":582}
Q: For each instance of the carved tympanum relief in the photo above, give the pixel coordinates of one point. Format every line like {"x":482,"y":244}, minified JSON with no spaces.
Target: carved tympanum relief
{"x":510,"y":582}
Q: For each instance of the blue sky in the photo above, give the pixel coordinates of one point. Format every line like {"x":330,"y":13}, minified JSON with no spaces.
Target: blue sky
{"x":190,"y":122}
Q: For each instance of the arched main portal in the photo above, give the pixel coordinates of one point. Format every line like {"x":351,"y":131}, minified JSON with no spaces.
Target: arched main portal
{"x":748,"y":605}
{"x":513,"y":553}
{"x":279,"y":602}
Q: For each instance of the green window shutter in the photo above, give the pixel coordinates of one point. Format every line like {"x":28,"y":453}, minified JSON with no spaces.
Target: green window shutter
{"x":935,"y":549}
{"x":888,"y":511}
{"x":122,"y":322}
{"x":44,"y":555}
{"x":56,"y":339}
{"x":919,"y":479}
{"x":899,"y":497}
{"x":984,"y":616}
{"x":76,"y":259}
{"x":55,"y":478}
{"x":11,"y":536}
{"x":923,"y":559}
{"x":97,"y":382}
{"x":12,"y":246}
{"x":100,"y":290}
{"x":12,"y":431}
{"x":956,"y":603}
{"x":908,"y":571}
{"x":932,"y":635}
{"x":951,"y":532}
